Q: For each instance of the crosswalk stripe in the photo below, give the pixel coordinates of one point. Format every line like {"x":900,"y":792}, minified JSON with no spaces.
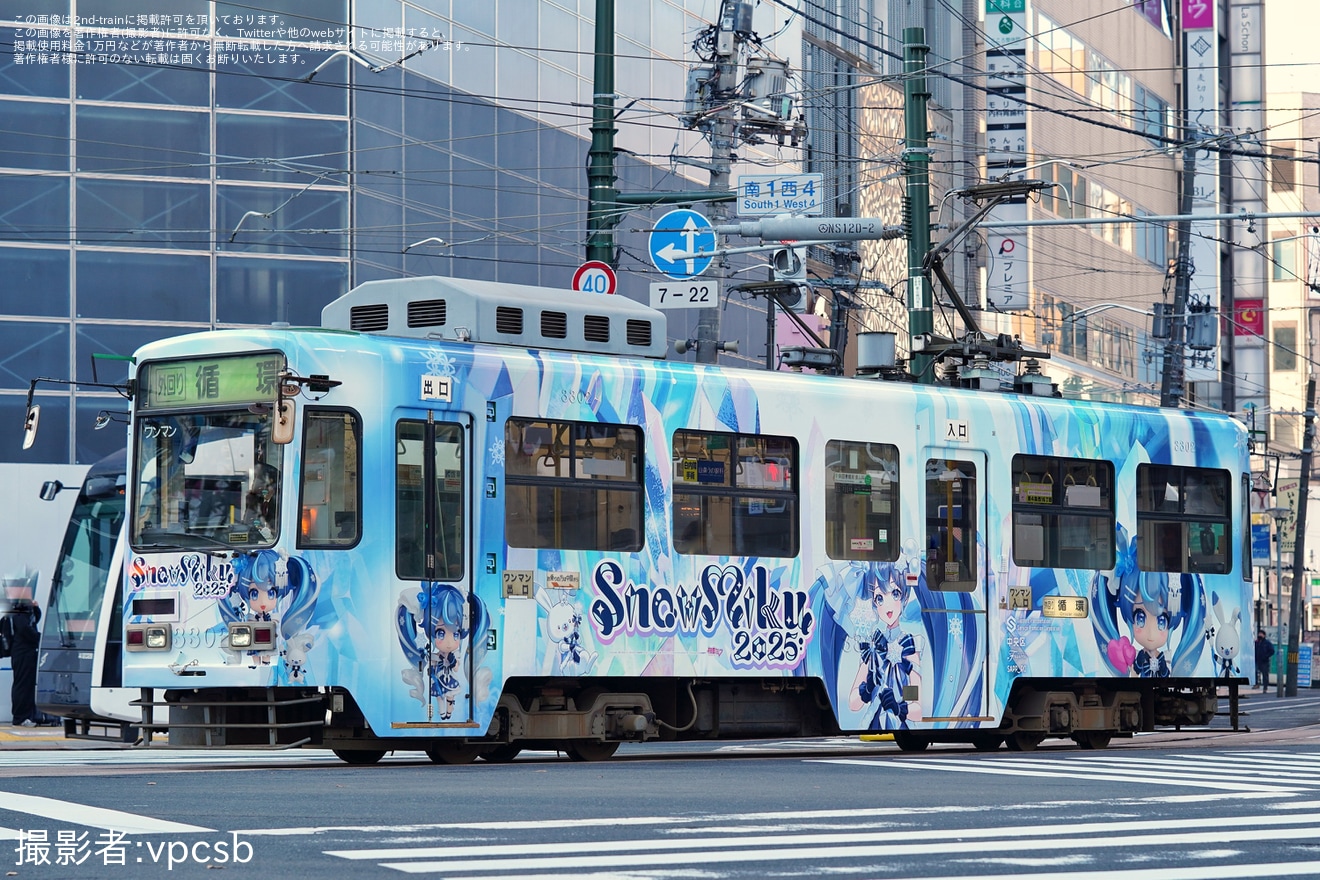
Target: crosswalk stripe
{"x":457,"y":851}
{"x":1197,"y":872}
{"x":93,"y":817}
{"x":815,"y":852}
{"x":1189,"y":767}
{"x":1029,"y":771}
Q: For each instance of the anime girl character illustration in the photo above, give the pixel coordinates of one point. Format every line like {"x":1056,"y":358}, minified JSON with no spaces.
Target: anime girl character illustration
{"x":434,"y":623}
{"x":1163,"y":613}
{"x":890,"y":656}
{"x":874,"y":644}
{"x":272,"y":587}
{"x":569,"y":654}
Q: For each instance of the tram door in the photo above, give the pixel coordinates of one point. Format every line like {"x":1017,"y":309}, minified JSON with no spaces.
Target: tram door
{"x":956,"y":575}
{"x":432,"y":551}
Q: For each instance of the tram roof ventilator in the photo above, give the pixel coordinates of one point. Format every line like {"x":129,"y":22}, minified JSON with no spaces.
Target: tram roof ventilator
{"x":468,"y":310}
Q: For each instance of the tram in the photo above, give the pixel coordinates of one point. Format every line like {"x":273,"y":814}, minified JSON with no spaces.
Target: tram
{"x":472,"y":518}
{"x":78,"y":668}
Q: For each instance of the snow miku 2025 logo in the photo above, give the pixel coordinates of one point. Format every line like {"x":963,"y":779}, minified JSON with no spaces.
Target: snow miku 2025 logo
{"x":209,"y":578}
{"x":768,"y":626}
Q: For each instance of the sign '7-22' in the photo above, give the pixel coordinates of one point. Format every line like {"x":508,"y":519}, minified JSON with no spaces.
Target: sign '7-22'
{"x":691,"y":294}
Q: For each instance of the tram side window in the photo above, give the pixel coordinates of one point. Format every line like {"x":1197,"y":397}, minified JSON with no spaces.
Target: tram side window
{"x":735,"y":494}
{"x":330,"y":494}
{"x":861,"y":501}
{"x":1246,"y":528}
{"x":1063,"y":512}
{"x":573,"y":485}
{"x":951,"y":501}
{"x":446,"y":475}
{"x":1183,"y":519}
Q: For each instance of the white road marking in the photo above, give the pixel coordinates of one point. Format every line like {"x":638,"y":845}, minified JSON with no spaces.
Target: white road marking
{"x":994,"y":768}
{"x":887,"y":851}
{"x":1196,"y":872}
{"x":907,"y":835}
{"x":94,"y":817}
{"x":1193,"y":872}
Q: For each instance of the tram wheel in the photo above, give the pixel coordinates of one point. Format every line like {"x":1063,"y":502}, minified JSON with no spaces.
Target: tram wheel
{"x":910,"y":742}
{"x":987,"y":742}
{"x":359,"y":757}
{"x":452,"y":753}
{"x":1092,"y":739}
{"x":501,"y":754}
{"x":590,"y":749}
{"x":1024,"y":741}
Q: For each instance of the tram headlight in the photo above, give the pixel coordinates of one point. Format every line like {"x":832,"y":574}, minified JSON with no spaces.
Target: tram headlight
{"x":158,"y":638}
{"x":240,"y":635}
{"x":247,"y":637}
{"x":148,"y":637}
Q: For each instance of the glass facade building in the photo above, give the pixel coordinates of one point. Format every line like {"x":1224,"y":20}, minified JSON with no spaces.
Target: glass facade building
{"x":185,"y":165}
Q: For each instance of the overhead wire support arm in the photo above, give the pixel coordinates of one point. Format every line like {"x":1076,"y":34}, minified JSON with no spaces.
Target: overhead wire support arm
{"x":987,"y":196}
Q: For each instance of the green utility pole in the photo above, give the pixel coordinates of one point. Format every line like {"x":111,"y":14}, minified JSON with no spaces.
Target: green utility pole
{"x":601,"y":194}
{"x":916,"y":155}
{"x":1299,"y":584}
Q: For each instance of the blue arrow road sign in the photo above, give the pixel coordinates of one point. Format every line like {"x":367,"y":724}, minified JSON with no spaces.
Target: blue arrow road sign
{"x":681,"y":231}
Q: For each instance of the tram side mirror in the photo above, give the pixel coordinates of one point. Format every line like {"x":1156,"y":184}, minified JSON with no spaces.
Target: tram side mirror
{"x":50,"y":489}
{"x":30,"y":426}
{"x":282,"y":430}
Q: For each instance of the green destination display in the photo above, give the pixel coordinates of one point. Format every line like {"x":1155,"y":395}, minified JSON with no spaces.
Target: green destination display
{"x":215,"y":381}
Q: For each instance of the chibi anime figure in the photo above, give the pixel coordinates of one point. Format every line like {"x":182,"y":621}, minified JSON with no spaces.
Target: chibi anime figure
{"x":1226,"y":635}
{"x":891,"y":658}
{"x":563,"y":627}
{"x":434,"y":624}
{"x":1155,"y":607}
{"x":272,"y":587}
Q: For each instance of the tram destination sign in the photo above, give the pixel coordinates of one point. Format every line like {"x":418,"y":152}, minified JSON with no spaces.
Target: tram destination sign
{"x":209,"y":381}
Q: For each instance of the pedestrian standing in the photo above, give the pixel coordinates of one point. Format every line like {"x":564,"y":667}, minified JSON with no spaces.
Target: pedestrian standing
{"x":25,"y":636}
{"x":1264,"y":651}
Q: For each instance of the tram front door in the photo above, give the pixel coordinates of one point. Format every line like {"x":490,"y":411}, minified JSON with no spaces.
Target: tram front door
{"x":432,"y":549}
{"x":957,"y":577}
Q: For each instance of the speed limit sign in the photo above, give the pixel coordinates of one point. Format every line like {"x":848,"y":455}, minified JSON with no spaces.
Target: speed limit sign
{"x":595,"y":276}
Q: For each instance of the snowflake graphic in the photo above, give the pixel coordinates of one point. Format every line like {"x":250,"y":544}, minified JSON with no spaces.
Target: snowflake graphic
{"x":439,"y":363}
{"x":496,"y":454}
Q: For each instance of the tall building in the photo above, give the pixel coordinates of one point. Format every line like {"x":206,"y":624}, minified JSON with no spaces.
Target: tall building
{"x":1085,"y":101}
{"x":189,"y":164}
{"x":215,"y":164}
{"x":1292,"y":246}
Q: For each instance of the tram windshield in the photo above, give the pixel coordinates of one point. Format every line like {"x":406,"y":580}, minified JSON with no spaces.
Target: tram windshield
{"x":206,"y":481}
{"x":83,"y":570}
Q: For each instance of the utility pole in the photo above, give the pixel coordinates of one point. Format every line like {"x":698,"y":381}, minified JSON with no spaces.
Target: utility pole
{"x":916,"y":155}
{"x":601,"y":194}
{"x":1299,"y":543}
{"x":731,"y":103}
{"x":721,"y":132}
{"x":1171,"y":374}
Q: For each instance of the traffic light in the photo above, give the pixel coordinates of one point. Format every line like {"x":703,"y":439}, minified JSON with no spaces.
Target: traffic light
{"x":789,"y":266}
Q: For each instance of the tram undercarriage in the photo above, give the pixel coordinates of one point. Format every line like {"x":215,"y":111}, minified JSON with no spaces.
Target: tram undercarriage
{"x":589,"y":718}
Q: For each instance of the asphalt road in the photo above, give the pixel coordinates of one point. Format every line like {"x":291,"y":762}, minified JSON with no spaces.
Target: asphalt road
{"x":1178,"y":805}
